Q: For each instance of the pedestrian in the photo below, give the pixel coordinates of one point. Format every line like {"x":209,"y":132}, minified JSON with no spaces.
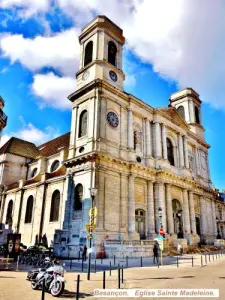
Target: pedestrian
{"x":36,"y":240}
{"x":45,"y":240}
{"x":156,"y":252}
{"x":179,"y":249}
{"x":84,"y":253}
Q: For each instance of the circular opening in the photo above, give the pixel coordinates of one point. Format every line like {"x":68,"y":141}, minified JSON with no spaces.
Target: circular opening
{"x":138,"y":159}
{"x":55,"y":166}
{"x":81,"y":149}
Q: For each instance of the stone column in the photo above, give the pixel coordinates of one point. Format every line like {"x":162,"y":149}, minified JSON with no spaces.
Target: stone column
{"x":164,"y":141}
{"x":100,"y":201}
{"x":148,"y":138}
{"x":151,"y":212}
{"x":157,"y":140}
{"x":130,"y":130}
{"x":186,"y":212}
{"x":186,"y":162}
{"x":202,"y":217}
{"x":160,"y":198}
{"x":131,"y":206}
{"x":181,"y":151}
{"x":169,"y":209}
{"x":214,"y":219}
{"x":196,"y":161}
{"x":73,"y":133}
{"x":192,"y":212}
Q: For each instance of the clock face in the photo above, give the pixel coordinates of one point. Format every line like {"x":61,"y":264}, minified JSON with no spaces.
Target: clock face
{"x":113,"y":75}
{"x":112,"y":119}
{"x":85,"y":75}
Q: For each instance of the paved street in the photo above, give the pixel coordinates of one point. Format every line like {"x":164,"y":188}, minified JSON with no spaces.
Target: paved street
{"x":13,"y":285}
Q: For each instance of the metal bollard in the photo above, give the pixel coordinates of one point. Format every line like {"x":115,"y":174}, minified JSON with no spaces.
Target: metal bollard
{"x":17,"y":264}
{"x":43,"y":290}
{"x":103,"y":280}
{"x":192,"y":261}
{"x":127,"y":261}
{"x":201,"y":261}
{"x":209,"y":258}
{"x":141,"y":261}
{"x":114,"y":260}
{"x":216,"y":255}
{"x":70,"y":264}
{"x":205,"y":259}
{"x":177,"y":261}
{"x":122,"y":273}
{"x":101,"y":260}
{"x":95,"y":266}
{"x":110,"y":268}
{"x":78,"y":287}
{"x":119,"y":278}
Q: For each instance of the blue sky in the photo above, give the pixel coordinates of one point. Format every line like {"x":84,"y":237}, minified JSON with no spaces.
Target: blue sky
{"x":169,"y":45}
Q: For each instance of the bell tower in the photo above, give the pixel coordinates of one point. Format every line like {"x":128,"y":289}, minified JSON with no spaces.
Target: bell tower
{"x":188,"y":105}
{"x":101,"y":44}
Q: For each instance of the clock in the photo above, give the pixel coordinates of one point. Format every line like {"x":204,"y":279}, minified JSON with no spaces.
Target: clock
{"x":112,"y":119}
{"x":113,"y":75}
{"x":85,"y":75}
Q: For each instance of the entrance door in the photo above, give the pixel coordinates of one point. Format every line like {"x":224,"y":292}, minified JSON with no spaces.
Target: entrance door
{"x":140,"y":223}
{"x":198,"y":230}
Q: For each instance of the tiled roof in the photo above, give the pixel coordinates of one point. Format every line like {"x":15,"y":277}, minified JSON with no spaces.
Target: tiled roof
{"x":19,"y":147}
{"x":12,"y":186}
{"x":52,"y":147}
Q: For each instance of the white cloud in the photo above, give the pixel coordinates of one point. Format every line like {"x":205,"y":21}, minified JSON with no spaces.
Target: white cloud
{"x":27,"y":7}
{"x":60,"y":51}
{"x":32,"y":134}
{"x":53,"y":90}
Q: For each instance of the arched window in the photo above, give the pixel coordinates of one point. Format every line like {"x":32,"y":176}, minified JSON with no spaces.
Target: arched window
{"x":112,"y":50}
{"x":54,"y":213}
{"x":54,"y":166}
{"x":88,"y":53}
{"x":34,"y":172}
{"x":29,"y":209}
{"x":78,"y":196}
{"x":180,"y":110}
{"x":197,"y":115}
{"x":9,"y":212}
{"x":170,"y":155}
{"x":83,"y":124}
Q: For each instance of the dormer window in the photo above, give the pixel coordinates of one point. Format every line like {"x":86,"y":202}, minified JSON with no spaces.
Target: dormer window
{"x":55,"y":166}
{"x":34,"y":172}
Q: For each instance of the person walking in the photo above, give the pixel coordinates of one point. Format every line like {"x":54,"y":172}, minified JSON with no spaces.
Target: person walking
{"x":156,"y":252}
{"x":84,"y":253}
{"x":179,"y":249}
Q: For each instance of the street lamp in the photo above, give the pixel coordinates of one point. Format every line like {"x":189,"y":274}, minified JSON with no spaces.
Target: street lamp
{"x":93,"y":192}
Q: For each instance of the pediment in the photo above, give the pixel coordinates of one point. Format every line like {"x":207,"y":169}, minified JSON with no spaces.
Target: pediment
{"x":174,"y":116}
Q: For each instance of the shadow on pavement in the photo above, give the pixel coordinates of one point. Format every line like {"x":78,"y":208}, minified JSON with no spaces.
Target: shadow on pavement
{"x":68,"y":294}
{"x":6,"y":277}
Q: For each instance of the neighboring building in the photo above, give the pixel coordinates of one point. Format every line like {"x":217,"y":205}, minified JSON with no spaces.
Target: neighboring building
{"x":139,"y":158}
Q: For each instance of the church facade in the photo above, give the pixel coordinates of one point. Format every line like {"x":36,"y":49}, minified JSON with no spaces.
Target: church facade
{"x":150,"y":166}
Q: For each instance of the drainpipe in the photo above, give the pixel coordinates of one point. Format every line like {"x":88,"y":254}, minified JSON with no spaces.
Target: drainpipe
{"x":20,"y":210}
{"x":42,"y":212}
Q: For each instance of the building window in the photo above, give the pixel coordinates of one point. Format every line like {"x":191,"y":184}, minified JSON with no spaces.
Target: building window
{"x":54,"y":213}
{"x":170,"y":154}
{"x":112,"y":53}
{"x":197,"y":119}
{"x":78,"y":196}
{"x":83,"y":124}
{"x":34,"y":172}
{"x":54,"y":166}
{"x":29,"y":209}
{"x":88,"y":53}
{"x":9,"y":212}
{"x":180,"y":110}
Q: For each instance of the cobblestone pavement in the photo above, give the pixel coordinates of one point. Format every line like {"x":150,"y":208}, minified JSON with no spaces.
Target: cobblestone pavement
{"x":13,"y":285}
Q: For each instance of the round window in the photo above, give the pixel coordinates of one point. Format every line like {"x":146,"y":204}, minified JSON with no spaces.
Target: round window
{"x":54,"y":165}
{"x":34,"y":172}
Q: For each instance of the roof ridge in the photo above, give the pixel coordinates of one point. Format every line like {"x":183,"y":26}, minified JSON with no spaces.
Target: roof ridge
{"x":53,"y":139}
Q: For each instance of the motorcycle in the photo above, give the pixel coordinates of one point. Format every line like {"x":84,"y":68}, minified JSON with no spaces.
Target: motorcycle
{"x":53,"y":278}
{"x":34,"y":272}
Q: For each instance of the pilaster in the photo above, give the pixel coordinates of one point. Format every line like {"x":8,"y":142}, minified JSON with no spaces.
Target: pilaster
{"x":150,"y":209}
{"x":192,"y":212}
{"x":130,"y":130}
{"x":131,"y":206}
{"x":169,"y":209}
{"x":186,"y":212}
{"x":164,"y":141}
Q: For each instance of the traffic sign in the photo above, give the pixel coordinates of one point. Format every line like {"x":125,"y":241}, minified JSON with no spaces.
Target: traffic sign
{"x":161,"y":231}
{"x":90,"y":228}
